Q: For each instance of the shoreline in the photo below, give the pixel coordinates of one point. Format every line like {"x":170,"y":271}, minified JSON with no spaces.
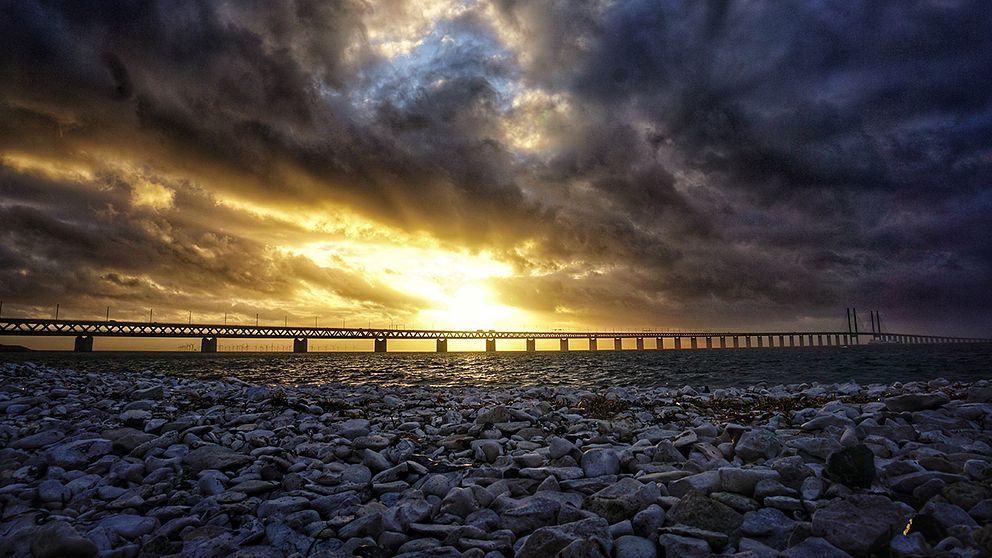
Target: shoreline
{"x":154,"y":465}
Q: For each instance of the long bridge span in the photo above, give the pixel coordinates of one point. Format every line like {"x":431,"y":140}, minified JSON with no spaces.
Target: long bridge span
{"x":85,"y":331}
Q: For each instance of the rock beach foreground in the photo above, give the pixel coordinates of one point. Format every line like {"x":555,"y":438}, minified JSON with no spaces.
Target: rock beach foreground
{"x":149,"y":465}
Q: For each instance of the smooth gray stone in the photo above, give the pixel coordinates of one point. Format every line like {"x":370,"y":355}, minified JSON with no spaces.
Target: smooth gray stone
{"x":859,"y":524}
{"x":684,"y":547}
{"x":59,"y":540}
{"x":547,"y":541}
{"x":630,"y":546}
{"x":702,"y":512}
{"x":212,"y":456}
{"x":814,"y":547}
{"x":622,"y":500}
{"x":600,"y":462}
{"x":757,"y":444}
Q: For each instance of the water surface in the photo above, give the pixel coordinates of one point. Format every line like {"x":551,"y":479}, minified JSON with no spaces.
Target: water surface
{"x":715,"y":368}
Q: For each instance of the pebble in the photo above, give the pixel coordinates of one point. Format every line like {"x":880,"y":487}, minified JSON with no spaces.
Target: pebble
{"x":630,"y":546}
{"x":157,"y":462}
{"x":59,"y":540}
{"x":757,"y":444}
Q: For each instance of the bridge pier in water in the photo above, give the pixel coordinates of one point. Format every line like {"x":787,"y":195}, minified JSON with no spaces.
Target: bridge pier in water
{"x":659,"y":343}
{"x":592,"y":344}
{"x":617,"y":344}
{"x":693,"y":343}
{"x":531,"y":345}
{"x":300,"y":345}
{"x":208,"y":345}
{"x":490,"y":345}
{"x":564,"y":345}
{"x":442,"y":345}
{"x":678,"y":342}
{"x":723,"y":342}
{"x":761,"y":343}
{"x":709,"y":342}
{"x":747,"y":341}
{"x":83,"y":344}
{"x":379,"y":345}
{"x":640,"y":343}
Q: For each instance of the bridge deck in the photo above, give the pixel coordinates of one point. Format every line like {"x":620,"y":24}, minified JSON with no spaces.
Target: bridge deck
{"x":93,"y":328}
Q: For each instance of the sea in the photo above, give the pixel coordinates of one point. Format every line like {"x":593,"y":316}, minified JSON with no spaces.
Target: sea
{"x":865,"y":364}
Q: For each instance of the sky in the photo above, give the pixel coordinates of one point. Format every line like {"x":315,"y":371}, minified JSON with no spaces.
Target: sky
{"x":509,"y":164}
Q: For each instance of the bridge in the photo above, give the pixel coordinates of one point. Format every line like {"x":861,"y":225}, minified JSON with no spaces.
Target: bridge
{"x":85,"y":331}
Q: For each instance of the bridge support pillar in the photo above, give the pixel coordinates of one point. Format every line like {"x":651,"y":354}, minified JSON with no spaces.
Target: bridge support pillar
{"x":847,"y":340}
{"x":761,"y":341}
{"x":564,"y":345}
{"x":781,"y":340}
{"x":208,"y":345}
{"x":379,"y":345}
{"x":747,"y":341}
{"x":617,"y":344}
{"x":442,"y":345}
{"x":709,"y":342}
{"x":640,"y":343}
{"x":659,"y":343}
{"x":737,"y":343}
{"x":802,"y":340}
{"x":490,"y":345}
{"x":83,"y":344}
{"x":300,"y":345}
{"x":678,"y":342}
{"x":819,"y":340}
{"x":531,"y":345}
{"x":723,"y":342}
{"x":693,"y":343}
{"x":592,"y":344}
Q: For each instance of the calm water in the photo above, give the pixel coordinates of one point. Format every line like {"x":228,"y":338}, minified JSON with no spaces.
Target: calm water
{"x":715,"y":368}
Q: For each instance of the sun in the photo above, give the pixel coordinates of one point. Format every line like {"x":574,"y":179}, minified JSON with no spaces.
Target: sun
{"x":472,"y":306}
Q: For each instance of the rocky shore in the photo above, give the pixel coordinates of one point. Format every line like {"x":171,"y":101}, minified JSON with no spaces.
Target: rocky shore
{"x":150,"y":465}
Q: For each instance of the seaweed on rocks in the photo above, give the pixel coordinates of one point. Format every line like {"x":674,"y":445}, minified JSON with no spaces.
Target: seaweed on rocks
{"x":764,"y":407}
{"x":602,"y":407}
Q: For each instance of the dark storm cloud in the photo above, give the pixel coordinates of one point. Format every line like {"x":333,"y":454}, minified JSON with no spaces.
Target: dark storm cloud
{"x":833,"y":143}
{"x":736,"y":160}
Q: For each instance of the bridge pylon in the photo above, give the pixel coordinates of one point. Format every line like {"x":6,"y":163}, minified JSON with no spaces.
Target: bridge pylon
{"x":300,"y":345}
{"x":208,"y":345}
{"x":83,"y":344}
